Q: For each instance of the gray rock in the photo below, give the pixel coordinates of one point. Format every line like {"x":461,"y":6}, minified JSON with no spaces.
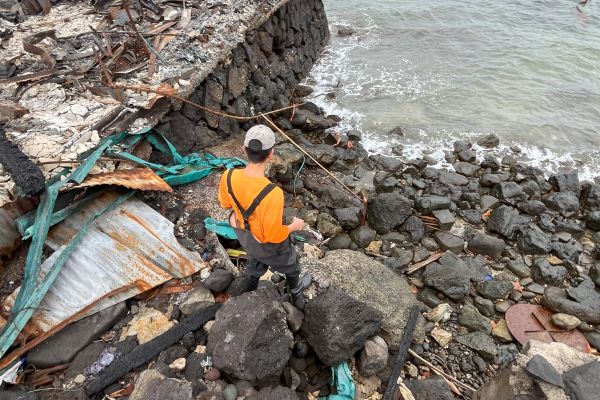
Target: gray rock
{"x":362,"y":236}
{"x":509,"y":192}
{"x":193,"y":366}
{"x":250,"y":339}
{"x":485,"y":306}
{"x":427,"y":204}
{"x":480,"y":342}
{"x":349,"y":217}
{"x":452,"y":179}
{"x":449,"y":242}
{"x":566,"y":203}
{"x":567,"y":251}
{"x":532,"y":240}
{"x":466,"y":169}
{"x":556,"y":300}
{"x":565,"y":321}
{"x":486,"y":245}
{"x":494,"y":289}
{"x":415,"y":229}
{"x":433,"y":388}
{"x":590,"y":197}
{"x":592,"y":220}
{"x":336,"y":325}
{"x":230,"y":392}
{"x":593,"y":339}
{"x":218,"y":280}
{"x":471,"y":319}
{"x":519,"y":268}
{"x":539,"y":368}
{"x":327,"y":225}
{"x":429,"y":297}
{"x":489,"y":141}
{"x":565,"y":182}
{"x":585,"y":293}
{"x":151,"y":385}
{"x":387,"y":211}
{"x":594,"y":274}
{"x":370,"y":282}
{"x":373,"y":357}
{"x":294,"y":316}
{"x":505,"y":221}
{"x":278,"y":393}
{"x":450,"y":276}
{"x":544,"y":273}
{"x":196,"y":300}
{"x":536,"y":288}
{"x":582,"y":382}
{"x":471,"y":216}
{"x":488,"y":202}
{"x":533,"y":207}
{"x":62,"y":347}
{"x":479,"y":363}
{"x":339,"y":241}
{"x":466,"y":155}
{"x":445,"y":219}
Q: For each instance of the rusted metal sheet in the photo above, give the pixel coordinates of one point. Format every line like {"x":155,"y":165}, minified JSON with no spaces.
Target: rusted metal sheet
{"x":532,"y":322}
{"x":136,"y":178}
{"x":9,"y":236}
{"x":131,"y":248}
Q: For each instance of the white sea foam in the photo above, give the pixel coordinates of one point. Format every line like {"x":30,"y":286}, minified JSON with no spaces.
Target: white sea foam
{"x":359,"y":84}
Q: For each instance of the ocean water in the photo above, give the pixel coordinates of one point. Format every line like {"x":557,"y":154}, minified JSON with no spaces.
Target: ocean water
{"x":526,"y":70}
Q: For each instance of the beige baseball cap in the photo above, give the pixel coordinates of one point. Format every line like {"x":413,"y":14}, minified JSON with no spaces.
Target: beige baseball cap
{"x":263,"y":134}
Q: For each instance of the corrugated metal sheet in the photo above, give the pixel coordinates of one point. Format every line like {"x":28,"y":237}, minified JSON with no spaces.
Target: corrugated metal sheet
{"x":131,"y":247}
{"x":137,"y":178}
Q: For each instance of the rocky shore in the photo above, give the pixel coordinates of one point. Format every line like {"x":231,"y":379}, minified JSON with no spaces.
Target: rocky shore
{"x":498,"y":257}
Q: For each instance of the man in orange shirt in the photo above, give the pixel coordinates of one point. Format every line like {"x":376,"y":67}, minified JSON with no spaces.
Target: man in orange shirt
{"x":257,"y":216}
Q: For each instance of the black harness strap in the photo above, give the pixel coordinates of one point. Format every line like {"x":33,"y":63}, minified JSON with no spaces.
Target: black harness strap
{"x":261,"y":196}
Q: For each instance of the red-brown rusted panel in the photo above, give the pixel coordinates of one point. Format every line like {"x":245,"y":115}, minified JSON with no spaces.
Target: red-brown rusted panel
{"x":137,"y":178}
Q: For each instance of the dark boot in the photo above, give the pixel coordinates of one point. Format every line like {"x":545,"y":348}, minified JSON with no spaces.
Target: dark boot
{"x":299,"y":286}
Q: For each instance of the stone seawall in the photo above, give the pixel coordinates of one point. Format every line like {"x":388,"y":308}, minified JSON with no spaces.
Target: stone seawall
{"x":258,"y":76}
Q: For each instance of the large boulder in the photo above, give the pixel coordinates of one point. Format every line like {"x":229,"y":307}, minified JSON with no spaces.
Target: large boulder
{"x":250,"y":339}
{"x":557,"y":300}
{"x":450,"y":276}
{"x":387,"y":211}
{"x":506,"y":221}
{"x":509,"y":192}
{"x":565,"y":182}
{"x":336,"y":325}
{"x":590,"y":197}
{"x":370,"y":282}
{"x":545,"y":273}
{"x":566,"y":203}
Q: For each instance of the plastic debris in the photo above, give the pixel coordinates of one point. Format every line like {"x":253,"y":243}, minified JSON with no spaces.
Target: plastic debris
{"x":10,"y":375}
{"x":341,"y":379}
{"x":221,"y":228}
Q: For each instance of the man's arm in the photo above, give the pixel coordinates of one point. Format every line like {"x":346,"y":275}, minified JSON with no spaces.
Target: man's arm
{"x":224,"y":198}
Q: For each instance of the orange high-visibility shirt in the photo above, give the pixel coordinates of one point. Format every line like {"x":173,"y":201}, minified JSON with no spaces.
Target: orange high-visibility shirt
{"x":266,"y":222}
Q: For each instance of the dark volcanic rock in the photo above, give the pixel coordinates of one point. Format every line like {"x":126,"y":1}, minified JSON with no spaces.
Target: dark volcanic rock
{"x":415,"y":229}
{"x":505,"y":221}
{"x":509,"y":192}
{"x":278,"y":393}
{"x":250,"y":339}
{"x":218,"y":280}
{"x":445,"y":219}
{"x":544,"y":273}
{"x":151,"y":385}
{"x":489,"y":141}
{"x":449,"y":242}
{"x":533,"y":207}
{"x":590,"y":197}
{"x":349,"y":218}
{"x":467,"y":169}
{"x":450,"y":276}
{"x":532,"y":240}
{"x":387,"y":211}
{"x":565,"y":182}
{"x":362,"y":236}
{"x":480,"y":342}
{"x":434,"y":388}
{"x":556,"y":300}
{"x":592,"y":220}
{"x":582,"y":382}
{"x":486,"y":245}
{"x":336,"y":325}
{"x":427,"y":204}
{"x":452,"y":179}
{"x":539,"y":368}
{"x":494,"y":289}
{"x":566,"y":203}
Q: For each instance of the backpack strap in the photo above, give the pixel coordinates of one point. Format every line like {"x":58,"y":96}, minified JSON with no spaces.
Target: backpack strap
{"x":261,"y":196}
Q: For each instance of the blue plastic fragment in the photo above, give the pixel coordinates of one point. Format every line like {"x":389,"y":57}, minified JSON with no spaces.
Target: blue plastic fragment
{"x":341,"y":380}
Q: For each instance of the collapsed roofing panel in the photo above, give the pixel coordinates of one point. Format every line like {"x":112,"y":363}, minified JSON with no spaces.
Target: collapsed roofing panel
{"x":127,"y":251}
{"x":57,"y":69}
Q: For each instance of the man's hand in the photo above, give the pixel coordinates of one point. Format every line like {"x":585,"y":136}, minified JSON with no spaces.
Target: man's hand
{"x":297,"y":225}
